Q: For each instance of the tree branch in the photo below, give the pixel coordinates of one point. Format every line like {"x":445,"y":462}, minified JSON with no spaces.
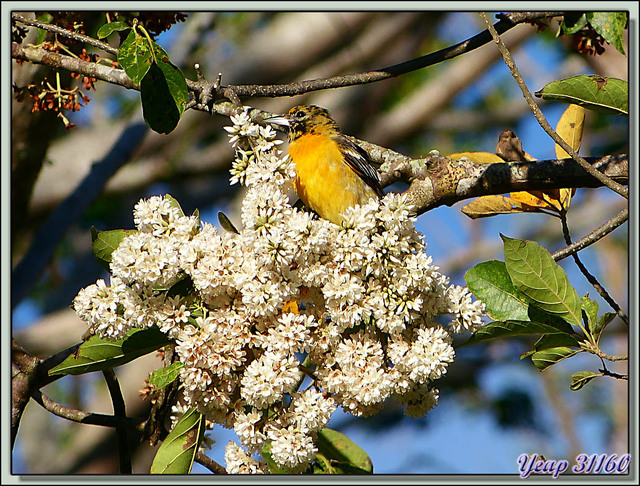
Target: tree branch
{"x":203,"y":89}
{"x":82,"y":417}
{"x":508,"y":60}
{"x":590,"y":278}
{"x":437,"y":180}
{"x":28,"y":375}
{"x":119,"y":410}
{"x":594,"y":236}
{"x":54,"y":60}
{"x":210,"y":464}
{"x":66,"y":33}
{"x":504,"y":24}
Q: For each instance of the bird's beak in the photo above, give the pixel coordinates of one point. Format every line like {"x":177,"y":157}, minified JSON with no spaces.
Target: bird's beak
{"x":278,"y":120}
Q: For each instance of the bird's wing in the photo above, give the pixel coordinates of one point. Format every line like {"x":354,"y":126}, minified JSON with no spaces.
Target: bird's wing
{"x":358,"y":160}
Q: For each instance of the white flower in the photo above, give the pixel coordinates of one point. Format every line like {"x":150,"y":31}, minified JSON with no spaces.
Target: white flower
{"x":248,"y":431}
{"x":239,"y":462}
{"x":309,"y":411}
{"x":268,"y":378}
{"x":291,"y":448}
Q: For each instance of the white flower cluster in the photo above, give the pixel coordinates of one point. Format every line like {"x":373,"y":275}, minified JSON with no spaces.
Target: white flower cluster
{"x":288,"y":300}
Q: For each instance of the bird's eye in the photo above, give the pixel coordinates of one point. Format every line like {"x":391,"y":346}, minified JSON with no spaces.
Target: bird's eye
{"x":300,"y":114}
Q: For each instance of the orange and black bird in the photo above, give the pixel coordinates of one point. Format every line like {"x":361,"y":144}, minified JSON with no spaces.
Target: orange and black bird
{"x":332,"y":172}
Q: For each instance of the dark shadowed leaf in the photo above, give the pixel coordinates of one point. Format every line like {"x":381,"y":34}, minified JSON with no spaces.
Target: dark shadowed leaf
{"x":98,"y":354}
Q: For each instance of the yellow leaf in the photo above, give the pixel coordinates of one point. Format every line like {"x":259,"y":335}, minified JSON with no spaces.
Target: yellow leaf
{"x":570,"y":129}
{"x":533,"y":199}
{"x":478,"y":157}
{"x":486,"y":206}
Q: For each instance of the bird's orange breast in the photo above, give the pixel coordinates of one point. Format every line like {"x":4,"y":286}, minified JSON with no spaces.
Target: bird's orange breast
{"x":324,"y":182}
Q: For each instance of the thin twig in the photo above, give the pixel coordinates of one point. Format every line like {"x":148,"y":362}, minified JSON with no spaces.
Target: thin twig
{"x":613,"y":374}
{"x":82,"y":417}
{"x":608,"y":357}
{"x":66,"y":33}
{"x":210,"y":464}
{"x":504,"y":24}
{"x":119,"y":410}
{"x":596,"y":235}
{"x":508,"y":59}
{"x":590,"y":278}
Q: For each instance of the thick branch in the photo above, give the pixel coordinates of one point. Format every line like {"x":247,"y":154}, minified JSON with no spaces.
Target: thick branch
{"x":437,"y":180}
{"x":38,"y":55}
{"x":28,"y":375}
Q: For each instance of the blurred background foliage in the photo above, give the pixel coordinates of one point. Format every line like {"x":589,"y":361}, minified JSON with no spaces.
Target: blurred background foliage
{"x":493,"y":405}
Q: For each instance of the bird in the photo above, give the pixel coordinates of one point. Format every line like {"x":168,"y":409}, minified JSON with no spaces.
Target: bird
{"x":333,"y":173}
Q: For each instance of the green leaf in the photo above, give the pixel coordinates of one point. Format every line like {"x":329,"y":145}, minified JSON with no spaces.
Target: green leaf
{"x":105,"y":242}
{"x":107,"y":29}
{"x":183,"y":287}
{"x":164,"y":93}
{"x":498,"y":329}
{"x":342,"y":453}
{"x":336,"y":467}
{"x":490,"y":282}
{"x":174,"y":77}
{"x":604,"y":320}
{"x":555,"y":340}
{"x":590,"y":308}
{"x":548,"y":357}
{"x":573,"y":22}
{"x":135,"y":56}
{"x":41,"y":35}
{"x":173,"y":202}
{"x":607,"y":95}
{"x":98,"y":354}
{"x":581,"y":378}
{"x":178,"y":451}
{"x":226,"y":223}
{"x":610,"y":25}
{"x":322,"y":465}
{"x":538,"y":315}
{"x":164,"y":376}
{"x":534,"y":273}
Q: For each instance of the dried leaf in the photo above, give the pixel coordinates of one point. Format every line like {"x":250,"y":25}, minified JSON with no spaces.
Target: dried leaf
{"x":486,"y":206}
